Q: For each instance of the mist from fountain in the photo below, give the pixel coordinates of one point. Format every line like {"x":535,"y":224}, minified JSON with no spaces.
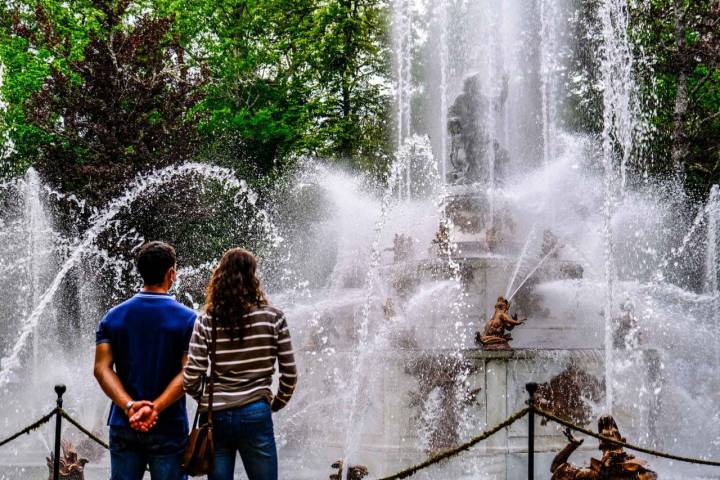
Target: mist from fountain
{"x":523,"y":255}
{"x":442,"y":19}
{"x":101,"y":221}
{"x":381,"y":334}
{"x":402,"y":45}
{"x":38,"y":248}
{"x":364,"y":353}
{"x":534,"y":269}
{"x":415,"y":164}
{"x":620,"y":125}
{"x":711,"y":257}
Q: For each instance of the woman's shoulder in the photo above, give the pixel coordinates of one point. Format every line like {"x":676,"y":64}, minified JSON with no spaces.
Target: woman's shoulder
{"x":204,"y":319}
{"x":272,"y":310}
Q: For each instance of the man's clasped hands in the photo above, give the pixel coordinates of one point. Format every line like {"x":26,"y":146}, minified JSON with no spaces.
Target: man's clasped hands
{"x":143,"y":415}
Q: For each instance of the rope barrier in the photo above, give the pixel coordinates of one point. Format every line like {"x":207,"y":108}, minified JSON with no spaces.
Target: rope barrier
{"x":31,"y":427}
{"x":454,"y":451}
{"x":437,"y":458}
{"x":629,"y":446}
{"x":84,"y":430}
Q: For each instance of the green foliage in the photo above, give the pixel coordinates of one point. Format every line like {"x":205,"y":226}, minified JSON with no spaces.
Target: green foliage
{"x":351,"y":57}
{"x":95,"y":92}
{"x":245,"y":83}
{"x":657,"y":25}
{"x":288,"y":77}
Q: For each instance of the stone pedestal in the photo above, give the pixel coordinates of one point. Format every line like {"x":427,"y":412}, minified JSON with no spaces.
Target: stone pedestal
{"x":395,"y":419}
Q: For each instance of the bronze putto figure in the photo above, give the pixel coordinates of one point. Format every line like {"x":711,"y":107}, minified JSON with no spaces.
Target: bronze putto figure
{"x":494,"y":336}
{"x":615,"y":463}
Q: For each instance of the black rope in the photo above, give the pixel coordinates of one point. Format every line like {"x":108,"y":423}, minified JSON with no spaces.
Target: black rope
{"x":430,"y":461}
{"x":454,"y":451}
{"x":30,"y":428}
{"x":629,"y":446}
{"x":84,"y":430}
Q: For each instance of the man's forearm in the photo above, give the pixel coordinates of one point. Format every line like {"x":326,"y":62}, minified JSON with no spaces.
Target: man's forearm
{"x":172,"y":393}
{"x":112,"y":386}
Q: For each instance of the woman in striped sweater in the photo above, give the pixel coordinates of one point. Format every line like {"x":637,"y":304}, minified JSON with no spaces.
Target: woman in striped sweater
{"x":251,"y":336}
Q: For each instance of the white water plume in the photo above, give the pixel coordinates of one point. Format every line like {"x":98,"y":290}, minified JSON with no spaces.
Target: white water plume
{"x":101,"y":220}
{"x":383,"y":304}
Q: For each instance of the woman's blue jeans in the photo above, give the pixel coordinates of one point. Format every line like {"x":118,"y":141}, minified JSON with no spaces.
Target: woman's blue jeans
{"x":249,"y":431}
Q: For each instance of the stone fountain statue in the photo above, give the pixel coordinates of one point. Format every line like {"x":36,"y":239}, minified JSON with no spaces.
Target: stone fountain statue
{"x":569,"y":395}
{"x":403,"y":248}
{"x":626,"y":334}
{"x":470,"y":139}
{"x":494,"y":336}
{"x":355,"y":472}
{"x":441,"y":244}
{"x":615,"y":463}
{"x":72,"y":466}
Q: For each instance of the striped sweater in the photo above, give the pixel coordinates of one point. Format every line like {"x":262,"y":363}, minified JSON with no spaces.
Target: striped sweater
{"x":244,"y":370}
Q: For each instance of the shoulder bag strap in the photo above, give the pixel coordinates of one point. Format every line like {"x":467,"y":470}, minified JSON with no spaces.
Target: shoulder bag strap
{"x":203,"y":379}
{"x":211,"y":387}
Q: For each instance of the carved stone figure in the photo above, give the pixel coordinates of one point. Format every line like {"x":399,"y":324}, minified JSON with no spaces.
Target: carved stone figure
{"x":72,"y":466}
{"x":471,"y":144}
{"x":549,"y":244}
{"x":441,"y":386}
{"x":441,"y":242}
{"x":568,"y":395}
{"x":356,"y":472}
{"x":626,"y":334}
{"x":388,"y":309}
{"x":494,"y":336}
{"x":403,"y":247}
{"x":615,"y":463}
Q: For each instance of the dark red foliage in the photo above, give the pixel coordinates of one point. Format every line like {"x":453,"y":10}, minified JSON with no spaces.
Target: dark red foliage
{"x":128,"y":112}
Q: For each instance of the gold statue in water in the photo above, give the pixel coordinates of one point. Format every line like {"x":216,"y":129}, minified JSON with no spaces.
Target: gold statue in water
{"x":72,"y":466}
{"x":355,"y":472}
{"x":615,"y":464}
{"x":494,"y":336}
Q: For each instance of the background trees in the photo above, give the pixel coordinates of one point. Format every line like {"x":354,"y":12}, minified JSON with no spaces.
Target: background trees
{"x":96,"y":90}
{"x":98,"y":93}
{"x":682,"y":39}
{"x":101,"y":89}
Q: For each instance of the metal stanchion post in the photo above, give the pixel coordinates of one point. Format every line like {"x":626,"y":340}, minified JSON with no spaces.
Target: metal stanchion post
{"x":531,"y":389}
{"x":60,"y":390}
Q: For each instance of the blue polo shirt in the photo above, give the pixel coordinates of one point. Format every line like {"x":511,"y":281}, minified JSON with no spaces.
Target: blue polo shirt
{"x":149,"y":334}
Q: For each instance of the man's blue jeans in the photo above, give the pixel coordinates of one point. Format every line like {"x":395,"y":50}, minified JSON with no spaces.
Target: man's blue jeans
{"x":248,"y":430}
{"x":131,"y":452}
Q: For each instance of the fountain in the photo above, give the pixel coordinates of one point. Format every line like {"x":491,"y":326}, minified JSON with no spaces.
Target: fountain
{"x":492,"y":192}
{"x":615,"y":464}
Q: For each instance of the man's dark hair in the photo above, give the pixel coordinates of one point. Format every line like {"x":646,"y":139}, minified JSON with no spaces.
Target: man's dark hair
{"x":154,"y":260}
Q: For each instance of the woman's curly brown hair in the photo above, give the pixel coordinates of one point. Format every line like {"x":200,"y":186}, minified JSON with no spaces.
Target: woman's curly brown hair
{"x":234,"y":290}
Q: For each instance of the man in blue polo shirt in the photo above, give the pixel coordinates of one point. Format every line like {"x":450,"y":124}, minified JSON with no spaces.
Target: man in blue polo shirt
{"x":141,"y":348}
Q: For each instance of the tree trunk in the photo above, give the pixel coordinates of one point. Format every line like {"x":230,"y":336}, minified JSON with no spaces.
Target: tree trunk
{"x":346,"y":146}
{"x":680,"y":145}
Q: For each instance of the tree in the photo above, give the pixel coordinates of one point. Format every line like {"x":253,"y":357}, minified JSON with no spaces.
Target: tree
{"x":256,"y":107}
{"x":352,"y":60}
{"x":99,"y":92}
{"x":288,"y":77}
{"x":106,"y":88}
{"x":682,"y":37}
